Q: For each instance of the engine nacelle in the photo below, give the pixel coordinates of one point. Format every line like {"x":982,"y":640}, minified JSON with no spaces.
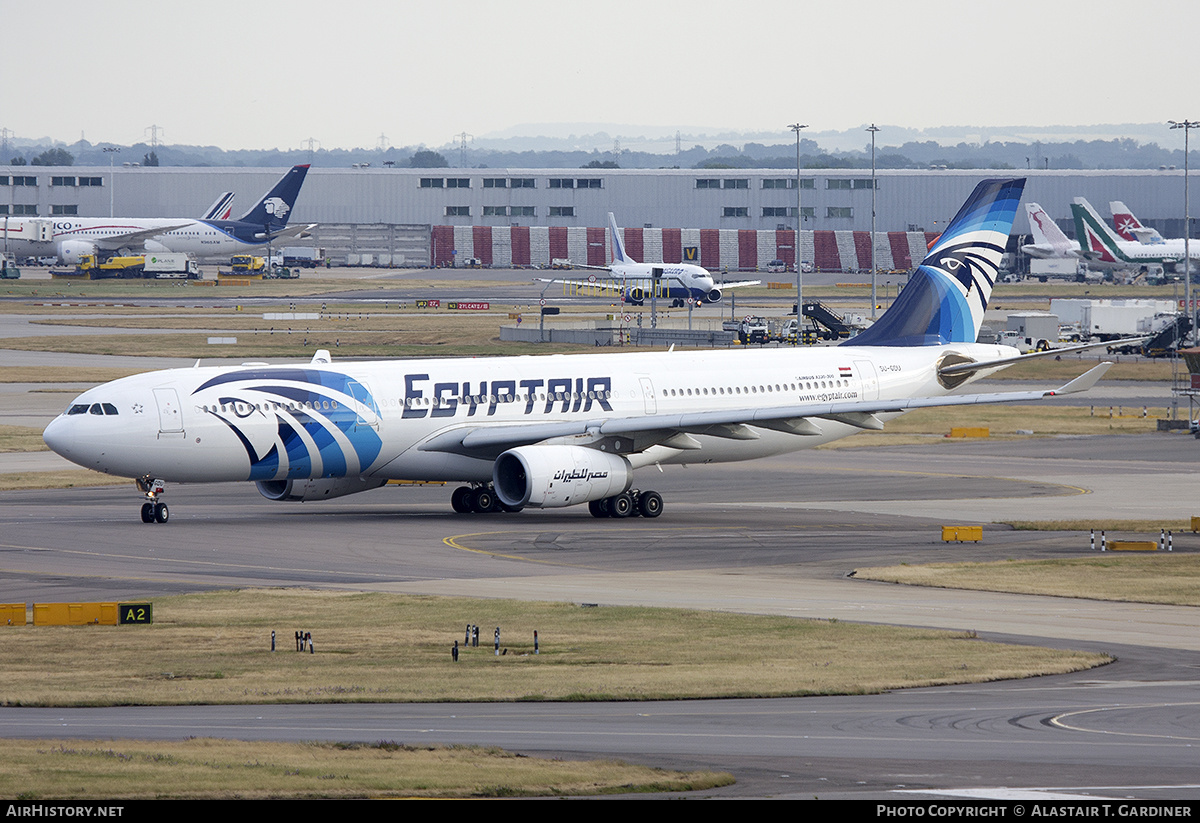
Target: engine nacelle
{"x":713,"y":296}
{"x":69,"y":251}
{"x":548,"y":477}
{"x":323,"y":488}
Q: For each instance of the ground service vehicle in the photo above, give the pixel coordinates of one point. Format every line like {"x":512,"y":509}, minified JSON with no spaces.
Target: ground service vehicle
{"x":8,"y":268}
{"x":247,"y":264}
{"x":171,"y":266}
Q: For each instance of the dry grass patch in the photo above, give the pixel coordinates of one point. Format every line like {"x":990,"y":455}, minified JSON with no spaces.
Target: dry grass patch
{"x":298,"y":344}
{"x":1171,"y":579}
{"x":21,"y":439}
{"x":65,"y":479}
{"x":924,"y":425}
{"x":1062,"y":371}
{"x":36,"y":770}
{"x":214,"y":648}
{"x":63,"y":374}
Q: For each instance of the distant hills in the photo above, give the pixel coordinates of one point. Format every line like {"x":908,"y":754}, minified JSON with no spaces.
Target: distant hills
{"x":1113,"y":146}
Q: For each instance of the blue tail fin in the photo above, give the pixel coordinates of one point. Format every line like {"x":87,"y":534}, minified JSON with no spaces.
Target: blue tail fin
{"x":946,"y":296}
{"x":618,"y":245}
{"x":273,"y":210}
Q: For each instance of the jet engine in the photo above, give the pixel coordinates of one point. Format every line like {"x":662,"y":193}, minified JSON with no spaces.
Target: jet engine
{"x":69,"y":251}
{"x":548,"y":477}
{"x":713,"y":296}
{"x":323,"y":488}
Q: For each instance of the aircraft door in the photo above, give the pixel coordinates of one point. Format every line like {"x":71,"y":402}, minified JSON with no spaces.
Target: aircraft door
{"x":364,"y":406}
{"x":170,"y":417}
{"x":648,"y":395}
{"x":868,"y":379}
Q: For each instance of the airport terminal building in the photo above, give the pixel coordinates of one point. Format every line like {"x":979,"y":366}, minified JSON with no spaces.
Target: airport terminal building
{"x":727,"y":219}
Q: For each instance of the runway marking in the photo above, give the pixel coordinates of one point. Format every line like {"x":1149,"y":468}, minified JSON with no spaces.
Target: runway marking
{"x":1045,"y":793}
{"x":453,"y":543}
{"x":1059,"y":721}
{"x":1076,"y":490}
{"x":142,"y":559}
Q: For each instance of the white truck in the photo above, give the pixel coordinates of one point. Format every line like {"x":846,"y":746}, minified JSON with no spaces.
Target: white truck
{"x":171,"y":266}
{"x":1031,"y":331}
{"x":305,"y":257}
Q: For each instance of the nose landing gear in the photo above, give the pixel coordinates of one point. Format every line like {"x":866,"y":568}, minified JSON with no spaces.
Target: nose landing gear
{"x":153,"y":510}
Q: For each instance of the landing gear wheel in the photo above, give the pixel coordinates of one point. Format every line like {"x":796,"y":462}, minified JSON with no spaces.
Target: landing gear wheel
{"x":147,"y":512}
{"x":482,"y":501}
{"x":597,"y":509}
{"x":161,"y":513}
{"x":650,"y":504}
{"x":621,"y":505}
{"x":460,"y":501}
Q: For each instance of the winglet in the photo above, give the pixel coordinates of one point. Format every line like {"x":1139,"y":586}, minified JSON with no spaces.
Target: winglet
{"x":1084,"y":381}
{"x":321,"y":356}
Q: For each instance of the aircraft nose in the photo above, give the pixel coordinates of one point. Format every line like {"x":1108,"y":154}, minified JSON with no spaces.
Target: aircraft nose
{"x":56,"y":436}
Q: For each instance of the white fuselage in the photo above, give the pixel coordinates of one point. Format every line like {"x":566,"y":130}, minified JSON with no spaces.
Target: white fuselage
{"x":674,"y":280}
{"x":402,"y":419}
{"x":21,"y":236}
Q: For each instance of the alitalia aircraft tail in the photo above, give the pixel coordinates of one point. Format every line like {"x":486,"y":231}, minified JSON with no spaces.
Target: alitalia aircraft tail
{"x":1099,"y":242}
{"x":946,"y":296}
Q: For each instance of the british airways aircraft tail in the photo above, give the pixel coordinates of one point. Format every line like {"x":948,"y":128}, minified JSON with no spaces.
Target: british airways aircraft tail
{"x":946,"y":296}
{"x":273,"y":209}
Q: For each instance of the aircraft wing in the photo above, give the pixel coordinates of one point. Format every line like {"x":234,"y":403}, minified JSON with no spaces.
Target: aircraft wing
{"x":739,"y":284}
{"x":294,"y":231}
{"x":968,"y":368}
{"x":674,"y":430}
{"x":116,"y":241}
{"x":603,"y":284}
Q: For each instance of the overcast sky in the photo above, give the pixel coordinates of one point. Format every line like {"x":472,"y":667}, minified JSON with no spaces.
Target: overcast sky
{"x":268,"y":74}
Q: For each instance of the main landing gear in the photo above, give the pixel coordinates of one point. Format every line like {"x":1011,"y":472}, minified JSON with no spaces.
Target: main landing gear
{"x":628,"y":504}
{"x":478,"y":500}
{"x":153,"y":510}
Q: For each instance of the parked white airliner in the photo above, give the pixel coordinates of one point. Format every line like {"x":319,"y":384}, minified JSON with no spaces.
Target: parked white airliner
{"x":1049,"y":241}
{"x":69,"y":238}
{"x":546,"y":432}
{"x":639,"y":282}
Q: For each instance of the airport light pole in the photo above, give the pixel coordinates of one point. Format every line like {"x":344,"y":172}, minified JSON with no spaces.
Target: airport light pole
{"x":796,"y":127}
{"x":874,"y":270}
{"x":1187,"y":125}
{"x":111,"y":151}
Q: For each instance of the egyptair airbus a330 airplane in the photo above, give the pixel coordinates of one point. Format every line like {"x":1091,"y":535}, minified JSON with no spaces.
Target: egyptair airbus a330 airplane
{"x":70,"y":237}
{"x":559,"y":430}
{"x":639,"y":282}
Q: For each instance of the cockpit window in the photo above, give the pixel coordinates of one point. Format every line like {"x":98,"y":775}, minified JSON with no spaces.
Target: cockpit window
{"x":109,"y":408}
{"x":96,"y":409}
{"x":78,"y":408}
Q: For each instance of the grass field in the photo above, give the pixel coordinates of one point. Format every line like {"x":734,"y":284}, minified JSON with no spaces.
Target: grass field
{"x":215,"y":648}
{"x":200,"y":768}
{"x":1171,"y":579}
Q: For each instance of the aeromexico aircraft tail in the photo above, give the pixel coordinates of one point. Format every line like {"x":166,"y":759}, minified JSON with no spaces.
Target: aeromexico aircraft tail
{"x":946,"y":296}
{"x":618,"y":245}
{"x":275,"y":206}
